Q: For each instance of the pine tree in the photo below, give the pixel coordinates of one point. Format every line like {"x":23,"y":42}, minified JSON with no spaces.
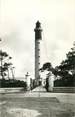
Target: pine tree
{"x":4,"y":65}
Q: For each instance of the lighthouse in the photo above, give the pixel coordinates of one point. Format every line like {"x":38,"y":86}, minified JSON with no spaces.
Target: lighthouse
{"x":38,"y":38}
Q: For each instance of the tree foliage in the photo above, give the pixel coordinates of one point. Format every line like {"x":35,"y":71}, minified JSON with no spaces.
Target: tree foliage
{"x":46,"y":66}
{"x":67,"y":67}
{"x":66,"y":70}
{"x":4,"y":65}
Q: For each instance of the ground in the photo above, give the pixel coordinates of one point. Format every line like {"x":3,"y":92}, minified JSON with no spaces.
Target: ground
{"x":37,"y":104}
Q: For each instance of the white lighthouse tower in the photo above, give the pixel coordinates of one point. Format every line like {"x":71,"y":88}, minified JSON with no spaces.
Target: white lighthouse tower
{"x":38,"y":38}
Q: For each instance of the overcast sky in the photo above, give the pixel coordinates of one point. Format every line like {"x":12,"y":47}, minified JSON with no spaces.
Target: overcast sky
{"x":17,"y":23}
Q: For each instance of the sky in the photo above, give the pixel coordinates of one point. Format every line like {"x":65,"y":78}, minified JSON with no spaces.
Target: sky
{"x":17,"y":23}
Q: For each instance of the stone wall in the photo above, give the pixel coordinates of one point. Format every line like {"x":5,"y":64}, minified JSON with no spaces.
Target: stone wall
{"x":11,"y":90}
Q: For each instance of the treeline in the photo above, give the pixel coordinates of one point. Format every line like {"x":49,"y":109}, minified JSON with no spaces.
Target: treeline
{"x":7,"y":70}
{"x":65,"y":72}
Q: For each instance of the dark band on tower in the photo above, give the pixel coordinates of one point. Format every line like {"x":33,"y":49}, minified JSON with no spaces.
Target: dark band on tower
{"x":38,"y":31}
